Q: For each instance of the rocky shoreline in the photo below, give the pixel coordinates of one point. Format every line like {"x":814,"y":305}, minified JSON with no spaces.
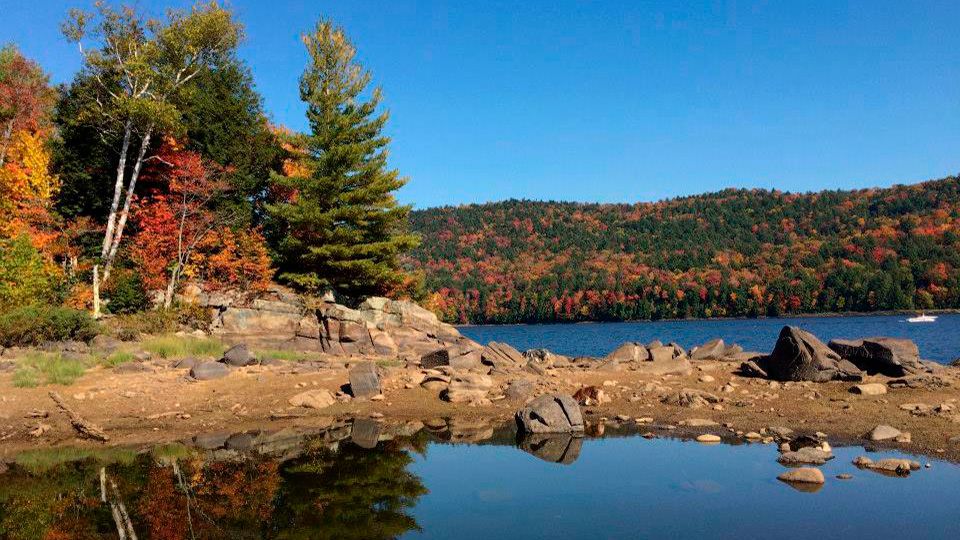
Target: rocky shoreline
{"x":394,"y":363}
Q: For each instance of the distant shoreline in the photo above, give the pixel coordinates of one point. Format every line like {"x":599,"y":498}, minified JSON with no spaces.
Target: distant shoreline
{"x":832,"y":314}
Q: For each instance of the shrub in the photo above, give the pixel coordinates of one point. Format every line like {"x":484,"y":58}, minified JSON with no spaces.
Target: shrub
{"x":25,"y":275}
{"x":117,"y":358}
{"x":155,"y":321}
{"x":127,"y":294}
{"x":35,"y":324}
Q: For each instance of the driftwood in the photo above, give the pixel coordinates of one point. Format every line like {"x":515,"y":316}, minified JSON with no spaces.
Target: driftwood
{"x":83,"y":427}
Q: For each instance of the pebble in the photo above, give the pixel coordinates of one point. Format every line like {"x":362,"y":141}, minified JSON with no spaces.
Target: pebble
{"x":708,"y":438}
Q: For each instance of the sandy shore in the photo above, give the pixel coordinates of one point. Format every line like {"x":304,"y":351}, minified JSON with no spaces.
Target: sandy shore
{"x":144,"y":408}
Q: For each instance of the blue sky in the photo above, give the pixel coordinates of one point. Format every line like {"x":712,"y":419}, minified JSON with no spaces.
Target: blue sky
{"x":617,"y":101}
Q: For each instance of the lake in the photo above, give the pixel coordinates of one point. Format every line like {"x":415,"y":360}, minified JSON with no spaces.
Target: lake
{"x":938,"y":341}
{"x":336,"y":484}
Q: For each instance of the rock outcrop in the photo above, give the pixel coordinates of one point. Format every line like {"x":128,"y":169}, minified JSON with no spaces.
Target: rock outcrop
{"x":799,"y":356}
{"x":654,"y":359}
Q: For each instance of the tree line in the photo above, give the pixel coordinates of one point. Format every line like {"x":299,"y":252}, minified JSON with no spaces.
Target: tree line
{"x":735,"y":253}
{"x":157,"y":166}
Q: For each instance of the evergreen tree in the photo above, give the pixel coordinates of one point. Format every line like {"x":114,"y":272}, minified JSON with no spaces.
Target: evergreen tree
{"x":339,"y":226}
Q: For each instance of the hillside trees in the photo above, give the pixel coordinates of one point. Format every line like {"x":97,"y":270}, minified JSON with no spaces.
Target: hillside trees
{"x":336,"y":224}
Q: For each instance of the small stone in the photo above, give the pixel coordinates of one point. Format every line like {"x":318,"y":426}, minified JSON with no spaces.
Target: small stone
{"x":844,"y":476}
{"x":707,"y":379}
{"x":803,"y":475}
{"x":708,"y":438}
{"x":869,"y":389}
{"x":378,"y":397}
{"x":883,"y":432}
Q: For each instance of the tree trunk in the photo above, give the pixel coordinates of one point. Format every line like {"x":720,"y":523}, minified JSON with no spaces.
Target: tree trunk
{"x":171,"y":286}
{"x":7,"y":134}
{"x":117,"y":190}
{"x":125,"y":213}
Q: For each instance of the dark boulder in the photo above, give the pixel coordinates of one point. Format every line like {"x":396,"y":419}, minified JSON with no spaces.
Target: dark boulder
{"x":884,"y":355}
{"x":209,"y":370}
{"x":799,"y":356}
{"x":238,"y":356}
{"x":551,"y":413}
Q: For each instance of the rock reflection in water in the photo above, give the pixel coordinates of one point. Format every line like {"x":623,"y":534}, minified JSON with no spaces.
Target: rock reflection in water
{"x":561,"y":448}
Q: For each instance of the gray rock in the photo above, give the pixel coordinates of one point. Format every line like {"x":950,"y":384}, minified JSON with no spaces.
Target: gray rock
{"x":711,"y":350}
{"x":211,"y":441}
{"x":434,"y":359}
{"x":805,"y":456}
{"x":894,"y":357}
{"x":238,"y":356}
{"x":206,"y":371}
{"x":629,"y":352}
{"x":799,"y":356}
{"x":186,"y":363}
{"x":551,"y":413}
{"x":364,"y":380}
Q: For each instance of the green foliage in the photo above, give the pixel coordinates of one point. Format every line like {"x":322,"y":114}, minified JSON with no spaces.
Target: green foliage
{"x":181,"y":347}
{"x":44,"y":460}
{"x":25,"y":275}
{"x":285,"y":355}
{"x":340,"y":227}
{"x":223,"y":118}
{"x":46,"y":368}
{"x":36,"y":324}
{"x":732,"y":253}
{"x":127,"y":294}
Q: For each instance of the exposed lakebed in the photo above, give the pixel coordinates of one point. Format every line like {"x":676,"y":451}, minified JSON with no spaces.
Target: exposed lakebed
{"x":360,"y":482}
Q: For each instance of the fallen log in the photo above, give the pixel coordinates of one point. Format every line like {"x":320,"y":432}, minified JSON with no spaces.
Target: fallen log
{"x":83,"y":427}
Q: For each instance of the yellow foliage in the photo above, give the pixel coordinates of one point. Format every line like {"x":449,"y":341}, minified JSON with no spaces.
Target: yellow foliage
{"x":26,"y":184}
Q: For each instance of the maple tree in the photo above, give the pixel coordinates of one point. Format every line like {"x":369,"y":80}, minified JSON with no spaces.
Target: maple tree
{"x":25,"y":98}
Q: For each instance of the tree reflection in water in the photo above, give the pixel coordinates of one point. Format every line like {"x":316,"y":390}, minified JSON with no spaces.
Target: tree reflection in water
{"x":324,"y":491}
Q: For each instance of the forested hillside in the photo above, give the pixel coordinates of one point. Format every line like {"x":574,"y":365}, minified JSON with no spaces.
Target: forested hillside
{"x":732,"y":253}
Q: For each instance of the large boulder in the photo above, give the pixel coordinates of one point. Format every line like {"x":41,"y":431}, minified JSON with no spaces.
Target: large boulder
{"x":501,"y":356}
{"x":799,"y":356}
{"x":894,"y":357}
{"x":711,"y":350}
{"x":364,"y":380}
{"x":551,"y":413}
{"x":629,"y":352}
{"x":238,"y":356}
{"x":208,"y":371}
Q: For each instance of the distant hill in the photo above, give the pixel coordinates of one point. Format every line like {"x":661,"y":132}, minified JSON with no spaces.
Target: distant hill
{"x":732,"y":253}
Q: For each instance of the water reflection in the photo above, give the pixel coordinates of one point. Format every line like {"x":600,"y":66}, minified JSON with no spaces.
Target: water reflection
{"x":370,"y":480}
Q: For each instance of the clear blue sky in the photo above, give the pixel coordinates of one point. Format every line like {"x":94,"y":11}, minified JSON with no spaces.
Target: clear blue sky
{"x":618,"y":101}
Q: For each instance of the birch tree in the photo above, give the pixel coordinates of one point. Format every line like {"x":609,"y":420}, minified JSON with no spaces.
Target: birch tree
{"x":140,"y":67}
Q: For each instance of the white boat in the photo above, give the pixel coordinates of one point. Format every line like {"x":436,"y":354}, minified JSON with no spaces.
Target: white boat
{"x":923,"y":318}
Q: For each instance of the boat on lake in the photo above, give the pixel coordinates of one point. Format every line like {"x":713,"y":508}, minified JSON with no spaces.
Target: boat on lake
{"x":923,"y":318}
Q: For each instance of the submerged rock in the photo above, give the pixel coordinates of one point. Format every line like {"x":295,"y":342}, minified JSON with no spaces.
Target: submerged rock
{"x":804,"y":475}
{"x":551,"y":413}
{"x":563,"y":448}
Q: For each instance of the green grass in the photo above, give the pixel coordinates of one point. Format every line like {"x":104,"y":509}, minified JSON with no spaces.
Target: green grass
{"x":117,"y":358}
{"x":285,"y":355}
{"x":43,"y":460}
{"x":389,"y":363}
{"x":181,"y":347}
{"x":171,"y":452}
{"x":44,"y":368}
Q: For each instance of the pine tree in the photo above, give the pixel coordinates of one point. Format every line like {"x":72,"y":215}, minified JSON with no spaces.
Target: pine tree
{"x":338,"y":226}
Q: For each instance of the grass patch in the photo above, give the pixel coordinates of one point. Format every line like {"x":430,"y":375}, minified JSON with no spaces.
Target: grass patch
{"x":117,"y":358}
{"x":285,"y":355}
{"x":181,"y":347}
{"x":171,"y":452}
{"x":43,"y":460}
{"x":389,"y":363}
{"x":40,"y":368}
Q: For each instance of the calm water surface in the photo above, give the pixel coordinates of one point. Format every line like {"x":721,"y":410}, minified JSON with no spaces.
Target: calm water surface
{"x":939,"y":341}
{"x":358,"y":482}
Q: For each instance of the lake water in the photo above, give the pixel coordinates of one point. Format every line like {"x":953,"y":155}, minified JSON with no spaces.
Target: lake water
{"x":329,"y":485}
{"x":939,"y":341}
